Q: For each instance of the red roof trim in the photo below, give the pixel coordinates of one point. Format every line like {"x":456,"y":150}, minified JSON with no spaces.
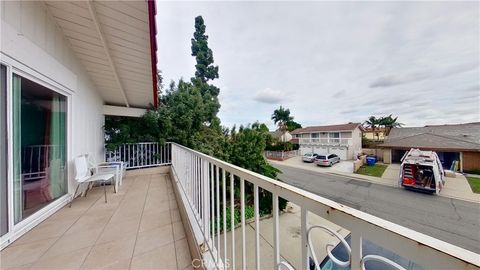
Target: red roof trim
{"x":153,"y":48}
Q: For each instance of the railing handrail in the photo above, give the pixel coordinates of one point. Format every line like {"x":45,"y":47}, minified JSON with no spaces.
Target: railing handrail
{"x":140,"y":155}
{"x":326,"y":140}
{"x":337,"y":212}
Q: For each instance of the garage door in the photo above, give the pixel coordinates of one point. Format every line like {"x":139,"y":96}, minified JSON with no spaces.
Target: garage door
{"x":304,"y":150}
{"x":397,"y":155}
{"x":339,"y":151}
{"x":321,"y":150}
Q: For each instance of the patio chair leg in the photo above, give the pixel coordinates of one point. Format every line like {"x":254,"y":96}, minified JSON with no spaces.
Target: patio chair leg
{"x":105,"y":190}
{"x":74,"y":194}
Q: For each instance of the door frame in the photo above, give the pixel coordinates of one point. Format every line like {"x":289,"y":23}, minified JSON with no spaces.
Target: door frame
{"x":17,"y":230}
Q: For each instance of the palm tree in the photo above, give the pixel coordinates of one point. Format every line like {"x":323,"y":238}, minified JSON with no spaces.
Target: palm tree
{"x":373,"y":123}
{"x":281,"y":117}
{"x":388,"y":123}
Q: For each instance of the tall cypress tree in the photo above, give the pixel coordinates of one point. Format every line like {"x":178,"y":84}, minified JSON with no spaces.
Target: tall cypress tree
{"x":205,"y":70}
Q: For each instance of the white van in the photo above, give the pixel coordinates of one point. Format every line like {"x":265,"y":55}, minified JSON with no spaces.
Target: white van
{"x":422,"y":170}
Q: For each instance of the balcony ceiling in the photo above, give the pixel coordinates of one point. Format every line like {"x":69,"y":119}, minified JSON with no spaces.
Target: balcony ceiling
{"x":112,"y":40}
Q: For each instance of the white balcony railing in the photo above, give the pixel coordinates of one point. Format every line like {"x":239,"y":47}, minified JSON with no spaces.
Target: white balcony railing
{"x":140,"y":155}
{"x":205,"y":183}
{"x":325,"y":141}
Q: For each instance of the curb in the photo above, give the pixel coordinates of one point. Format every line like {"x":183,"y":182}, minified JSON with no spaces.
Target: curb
{"x":356,"y":176}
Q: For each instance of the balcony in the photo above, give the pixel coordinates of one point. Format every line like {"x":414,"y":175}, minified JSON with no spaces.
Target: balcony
{"x":326,"y":141}
{"x":173,"y":217}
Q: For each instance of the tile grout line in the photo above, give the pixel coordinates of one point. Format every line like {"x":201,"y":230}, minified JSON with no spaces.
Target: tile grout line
{"x":45,"y":252}
{"x":90,"y":251}
{"x":141,"y":216}
{"x":167,"y":178}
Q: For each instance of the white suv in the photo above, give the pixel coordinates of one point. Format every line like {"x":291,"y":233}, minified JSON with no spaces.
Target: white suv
{"x":309,"y":157}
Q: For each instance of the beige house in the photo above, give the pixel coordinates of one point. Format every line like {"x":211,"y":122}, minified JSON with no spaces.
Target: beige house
{"x":344,"y":140}
{"x":375,"y":135}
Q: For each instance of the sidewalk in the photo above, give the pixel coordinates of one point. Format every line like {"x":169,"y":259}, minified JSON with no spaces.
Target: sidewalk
{"x":291,"y":242}
{"x":457,"y":188}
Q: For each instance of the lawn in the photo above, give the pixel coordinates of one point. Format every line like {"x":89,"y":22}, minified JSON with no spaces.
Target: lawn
{"x":474,"y":184}
{"x":376,"y":170}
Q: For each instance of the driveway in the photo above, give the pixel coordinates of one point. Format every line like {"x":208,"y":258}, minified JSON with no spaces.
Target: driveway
{"x":455,"y":187}
{"x":345,"y":166}
{"x":451,"y":220}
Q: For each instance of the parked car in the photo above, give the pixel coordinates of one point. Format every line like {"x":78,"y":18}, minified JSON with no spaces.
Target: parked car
{"x":368,"y":248}
{"x":309,"y":157}
{"x":326,"y":159}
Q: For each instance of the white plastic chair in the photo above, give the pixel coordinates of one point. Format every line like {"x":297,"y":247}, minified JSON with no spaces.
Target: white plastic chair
{"x":84,"y":175}
{"x":116,"y":167}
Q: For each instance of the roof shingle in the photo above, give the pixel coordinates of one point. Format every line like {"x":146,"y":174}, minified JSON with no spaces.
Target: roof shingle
{"x":342,"y":127}
{"x":448,"y":137}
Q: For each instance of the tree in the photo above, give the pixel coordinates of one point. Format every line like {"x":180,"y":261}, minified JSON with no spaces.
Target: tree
{"x":373,"y":123}
{"x":187,"y":114}
{"x":388,"y":122}
{"x":247,"y":145}
{"x":205,"y":71}
{"x":292,"y":125}
{"x":281,"y":117}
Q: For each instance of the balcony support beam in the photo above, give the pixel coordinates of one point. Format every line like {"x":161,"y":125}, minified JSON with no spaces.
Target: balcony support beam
{"x":96,"y":23}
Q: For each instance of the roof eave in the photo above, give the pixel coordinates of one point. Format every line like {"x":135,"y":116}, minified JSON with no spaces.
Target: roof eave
{"x":153,"y":49}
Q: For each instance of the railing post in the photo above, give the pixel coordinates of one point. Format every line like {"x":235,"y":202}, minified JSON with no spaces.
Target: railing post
{"x":206,"y":200}
{"x":217,"y":188}
{"x":212,"y":202}
{"x":224,"y":193}
{"x":242,"y":206}
{"x":303,"y":231}
{"x":257,"y":226}
{"x":276,"y":235}
{"x":356,"y":246}
{"x":232,"y":217}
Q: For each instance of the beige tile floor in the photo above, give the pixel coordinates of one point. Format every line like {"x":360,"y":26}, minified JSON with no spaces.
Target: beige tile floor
{"x":139,"y":228}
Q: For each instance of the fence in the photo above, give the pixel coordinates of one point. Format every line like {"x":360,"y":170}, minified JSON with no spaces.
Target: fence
{"x":141,"y":155}
{"x":205,"y":184}
{"x":280,"y":155}
{"x":376,"y":152}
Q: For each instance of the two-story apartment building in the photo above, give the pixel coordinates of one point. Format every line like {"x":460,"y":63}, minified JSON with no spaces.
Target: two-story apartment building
{"x":344,"y":140}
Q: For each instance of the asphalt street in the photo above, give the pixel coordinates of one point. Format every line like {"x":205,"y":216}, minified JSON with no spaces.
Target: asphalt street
{"x":451,"y":220}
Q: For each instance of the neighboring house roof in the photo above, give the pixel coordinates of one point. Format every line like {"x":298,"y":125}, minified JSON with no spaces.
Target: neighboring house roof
{"x":456,"y":137}
{"x":342,"y":127}
{"x":277,"y":133}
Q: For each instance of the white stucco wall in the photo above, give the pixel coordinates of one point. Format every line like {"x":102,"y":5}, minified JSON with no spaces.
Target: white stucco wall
{"x":356,"y":143}
{"x":32,"y":42}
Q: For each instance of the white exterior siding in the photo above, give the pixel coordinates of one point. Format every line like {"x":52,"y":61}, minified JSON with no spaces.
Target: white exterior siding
{"x":33,"y":46}
{"x":327,"y":143}
{"x":30,"y":37}
{"x":356,"y":147}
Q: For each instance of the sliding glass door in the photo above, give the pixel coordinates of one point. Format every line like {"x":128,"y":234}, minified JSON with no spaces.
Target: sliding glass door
{"x":3,"y":152}
{"x":39,"y":146}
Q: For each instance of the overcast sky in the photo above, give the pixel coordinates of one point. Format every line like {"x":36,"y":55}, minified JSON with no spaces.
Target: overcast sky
{"x":332,"y":63}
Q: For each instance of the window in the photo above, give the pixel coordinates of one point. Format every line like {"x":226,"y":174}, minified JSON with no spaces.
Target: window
{"x":334,"y":135}
{"x":39,"y":146}
{"x":3,"y":152}
{"x":315,"y":135}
